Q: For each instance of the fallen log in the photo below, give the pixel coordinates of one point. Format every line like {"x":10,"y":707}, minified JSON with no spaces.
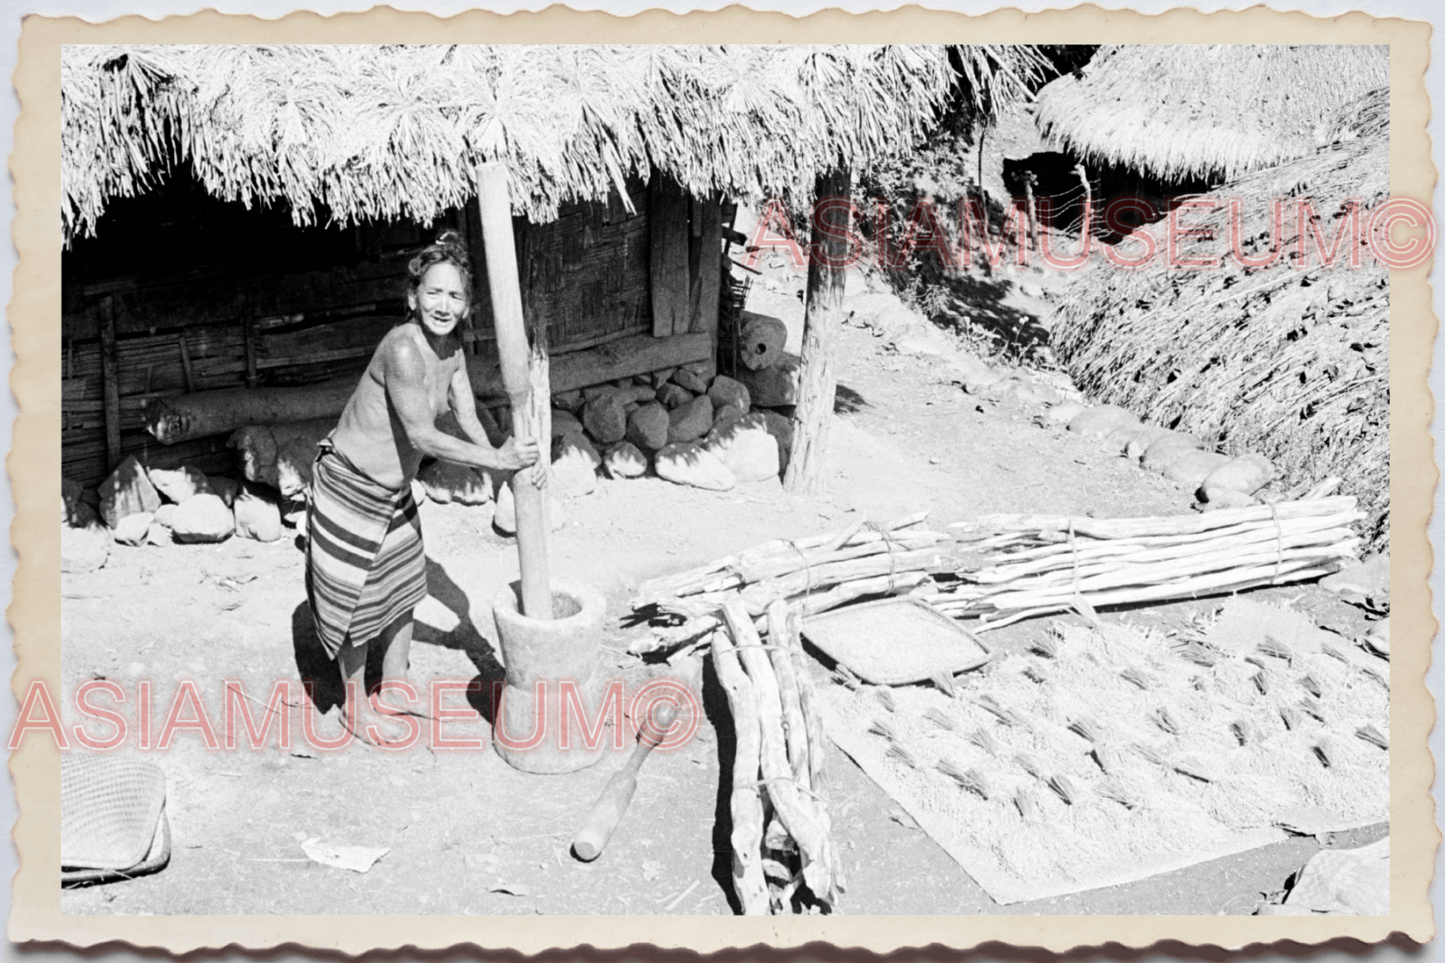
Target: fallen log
{"x":202,"y":413}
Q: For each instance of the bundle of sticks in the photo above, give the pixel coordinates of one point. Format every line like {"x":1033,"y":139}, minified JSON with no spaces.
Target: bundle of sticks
{"x":781,"y":832}
{"x":816,"y":574}
{"x":1020,"y":566}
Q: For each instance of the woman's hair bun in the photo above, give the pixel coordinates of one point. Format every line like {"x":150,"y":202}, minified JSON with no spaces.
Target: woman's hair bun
{"x":450,"y":238}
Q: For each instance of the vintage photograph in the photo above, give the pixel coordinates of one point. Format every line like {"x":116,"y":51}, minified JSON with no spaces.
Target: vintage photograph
{"x":717,"y":480}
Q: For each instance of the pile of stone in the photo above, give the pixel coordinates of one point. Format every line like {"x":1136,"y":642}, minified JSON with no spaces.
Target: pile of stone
{"x":139,"y":506}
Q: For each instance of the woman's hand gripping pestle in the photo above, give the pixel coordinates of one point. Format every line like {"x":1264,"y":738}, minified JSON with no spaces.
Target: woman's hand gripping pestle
{"x":607,"y":812}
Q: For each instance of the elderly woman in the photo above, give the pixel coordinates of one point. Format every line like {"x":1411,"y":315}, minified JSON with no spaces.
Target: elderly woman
{"x":365,"y":570}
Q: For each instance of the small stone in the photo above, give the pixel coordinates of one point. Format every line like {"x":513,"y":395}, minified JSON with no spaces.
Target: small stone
{"x":158,"y":535}
{"x":1098,"y":422}
{"x":127,"y":492}
{"x":689,"y":463}
{"x":690,"y":421}
{"x":689,"y":381}
{"x":773,"y":386}
{"x":179,"y":484}
{"x":593,"y":392}
{"x":605,"y":418}
{"x":446,"y":481}
{"x":1134,"y":440}
{"x":648,"y":426}
{"x":132,"y":529}
{"x":724,"y":416}
{"x":225,"y":488}
{"x":638,"y":394}
{"x":202,"y":518}
{"x":726,"y":391}
{"x":1033,"y":393}
{"x":1246,"y":473}
{"x":659,"y":378}
{"x":564,"y":423}
{"x":672,"y":396}
{"x":1167,"y":450}
{"x":625,"y":461}
{"x":83,"y":549}
{"x":1062,"y":414}
{"x":574,"y":465}
{"x":165,"y":516}
{"x":257,"y":516}
{"x":1224,"y":498}
{"x":705,"y":370}
{"x":1191,"y":468}
{"x":747,"y":448}
{"x":569,"y":401}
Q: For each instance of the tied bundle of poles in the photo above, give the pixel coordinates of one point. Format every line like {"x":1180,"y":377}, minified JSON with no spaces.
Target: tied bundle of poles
{"x":815,"y":574}
{"x":781,"y":832}
{"x":1026,"y":565}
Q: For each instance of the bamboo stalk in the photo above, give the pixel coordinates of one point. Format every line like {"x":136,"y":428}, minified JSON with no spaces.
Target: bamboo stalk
{"x":746,"y":801}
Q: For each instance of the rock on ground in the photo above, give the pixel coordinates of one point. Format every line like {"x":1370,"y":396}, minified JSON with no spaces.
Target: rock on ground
{"x":446,"y":481}
{"x":605,"y":418}
{"x":689,"y":380}
{"x":647,"y":427}
{"x":1246,"y":474}
{"x":127,"y":492}
{"x":672,"y":395}
{"x":1098,"y":422}
{"x":257,"y":516}
{"x":569,"y":401}
{"x":1136,"y":438}
{"x":564,"y":423}
{"x":1191,"y":468}
{"x":625,"y":461}
{"x":1061,"y":414}
{"x":1167,"y":450}
{"x":690,"y":421}
{"x":83,"y":549}
{"x":202,"y":518}
{"x":574,"y":465}
{"x":727,"y":391}
{"x":689,"y":463}
{"x":923,"y":339}
{"x":225,"y":488}
{"x":179,"y":484}
{"x":132,"y":529}
{"x":747,"y":448}
{"x":165,"y":515}
{"x":774,"y":386}
{"x":70,"y":492}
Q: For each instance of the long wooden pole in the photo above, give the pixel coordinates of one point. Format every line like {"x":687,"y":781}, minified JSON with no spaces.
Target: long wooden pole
{"x":495,"y":207}
{"x":818,"y":382}
{"x":110,"y":375}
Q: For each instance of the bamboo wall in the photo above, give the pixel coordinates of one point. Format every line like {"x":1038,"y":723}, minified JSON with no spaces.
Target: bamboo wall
{"x":203,"y":295}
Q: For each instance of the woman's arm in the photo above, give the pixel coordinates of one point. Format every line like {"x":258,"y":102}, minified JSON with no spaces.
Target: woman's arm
{"x":405,"y":374}
{"x":464,"y":405}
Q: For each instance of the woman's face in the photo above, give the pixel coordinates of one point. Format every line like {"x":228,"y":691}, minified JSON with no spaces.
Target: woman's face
{"x":440,"y":301}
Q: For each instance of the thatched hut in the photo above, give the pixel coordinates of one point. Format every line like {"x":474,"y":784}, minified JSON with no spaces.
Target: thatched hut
{"x":1286,"y":359}
{"x":1214,"y":111}
{"x":238,"y":218}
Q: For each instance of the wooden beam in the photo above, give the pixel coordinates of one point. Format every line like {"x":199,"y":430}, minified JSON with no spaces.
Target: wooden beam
{"x":110,"y":373}
{"x":818,"y":382}
{"x":495,"y":206}
{"x":668,"y":234}
{"x":706,"y":267}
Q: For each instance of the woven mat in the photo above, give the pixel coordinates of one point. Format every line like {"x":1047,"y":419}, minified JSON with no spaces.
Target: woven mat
{"x":1009,"y":731}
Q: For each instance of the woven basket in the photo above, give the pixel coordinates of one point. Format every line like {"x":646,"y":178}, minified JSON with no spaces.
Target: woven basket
{"x":112,"y":819}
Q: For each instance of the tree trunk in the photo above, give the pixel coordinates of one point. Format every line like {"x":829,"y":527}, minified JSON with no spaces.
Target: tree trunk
{"x":818,"y":384}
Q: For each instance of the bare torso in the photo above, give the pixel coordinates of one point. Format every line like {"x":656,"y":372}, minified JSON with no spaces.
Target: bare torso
{"x":370,"y":434}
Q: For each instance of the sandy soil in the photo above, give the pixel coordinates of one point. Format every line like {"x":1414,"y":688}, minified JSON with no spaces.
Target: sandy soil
{"x":465,"y":833}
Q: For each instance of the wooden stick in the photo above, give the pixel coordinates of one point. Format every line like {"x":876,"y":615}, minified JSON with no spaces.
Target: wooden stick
{"x":110,"y":375}
{"x":782,"y":622}
{"x":495,"y":207}
{"x":746,"y":801}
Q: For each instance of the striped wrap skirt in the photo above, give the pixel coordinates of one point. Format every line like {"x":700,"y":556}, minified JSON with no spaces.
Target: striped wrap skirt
{"x":365,"y":566}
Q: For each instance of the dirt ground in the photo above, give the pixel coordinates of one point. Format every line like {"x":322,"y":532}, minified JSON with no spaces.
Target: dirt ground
{"x":465,"y":833}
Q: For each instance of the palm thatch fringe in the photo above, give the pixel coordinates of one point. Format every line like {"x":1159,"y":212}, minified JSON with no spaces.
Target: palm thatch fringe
{"x":1291,"y":363}
{"x":347,"y":133}
{"x":1207,"y":110}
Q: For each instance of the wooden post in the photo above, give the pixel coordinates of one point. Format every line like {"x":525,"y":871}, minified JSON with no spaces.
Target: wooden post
{"x":667,"y":211}
{"x":1085,"y":225}
{"x":1032,"y":211}
{"x":110,"y":374}
{"x":818,"y":384}
{"x":248,"y":331}
{"x":495,"y":207}
{"x":706,"y":267}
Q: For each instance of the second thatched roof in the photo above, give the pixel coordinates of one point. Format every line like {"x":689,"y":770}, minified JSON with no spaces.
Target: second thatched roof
{"x":346,"y":133}
{"x":1215,"y":111}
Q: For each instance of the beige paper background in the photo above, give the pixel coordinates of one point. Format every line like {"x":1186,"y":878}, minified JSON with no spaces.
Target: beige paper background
{"x":34,"y":465}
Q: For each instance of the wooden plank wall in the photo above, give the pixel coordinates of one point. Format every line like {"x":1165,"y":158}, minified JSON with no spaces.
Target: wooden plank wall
{"x":590,"y":274}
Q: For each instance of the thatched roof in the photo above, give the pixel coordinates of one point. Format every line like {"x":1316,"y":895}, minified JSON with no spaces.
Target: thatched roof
{"x":1208,"y":110}
{"x":347,"y":133}
{"x":1293,"y":364}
